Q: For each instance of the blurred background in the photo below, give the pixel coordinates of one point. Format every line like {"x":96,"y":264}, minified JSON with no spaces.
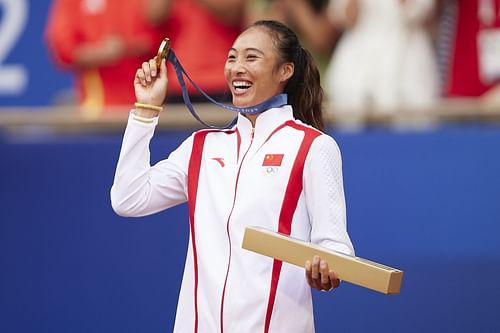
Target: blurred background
{"x":413,"y":101}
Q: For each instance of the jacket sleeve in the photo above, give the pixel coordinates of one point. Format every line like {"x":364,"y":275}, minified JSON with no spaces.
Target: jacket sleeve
{"x":141,"y":189}
{"x":324,"y":194}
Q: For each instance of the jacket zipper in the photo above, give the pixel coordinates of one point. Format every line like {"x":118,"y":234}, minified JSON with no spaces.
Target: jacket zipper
{"x":227,"y":230}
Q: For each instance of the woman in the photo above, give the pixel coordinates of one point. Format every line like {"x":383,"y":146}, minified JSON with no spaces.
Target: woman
{"x":272,"y":170}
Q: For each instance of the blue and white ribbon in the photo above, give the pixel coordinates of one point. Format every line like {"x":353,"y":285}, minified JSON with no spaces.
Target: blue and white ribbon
{"x":273,"y":102}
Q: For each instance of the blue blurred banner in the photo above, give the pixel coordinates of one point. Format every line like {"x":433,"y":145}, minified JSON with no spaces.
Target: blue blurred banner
{"x":28,"y":77}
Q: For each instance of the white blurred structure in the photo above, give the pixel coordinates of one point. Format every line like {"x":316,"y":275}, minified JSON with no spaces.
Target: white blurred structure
{"x":385,"y":58}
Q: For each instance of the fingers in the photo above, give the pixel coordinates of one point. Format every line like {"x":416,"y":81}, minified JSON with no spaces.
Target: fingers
{"x":140,"y":77}
{"x":315,"y":269}
{"x":324,"y":275}
{"x":163,"y":67}
{"x":158,"y":71}
{"x":334,"y":279}
{"x":308,"y":274}
{"x":148,"y":72}
{"x":319,"y":276}
{"x":152,"y":68}
{"x":149,"y":69}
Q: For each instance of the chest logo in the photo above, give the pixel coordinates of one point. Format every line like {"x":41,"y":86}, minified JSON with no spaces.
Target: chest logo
{"x":272,"y":160}
{"x":272,"y":163}
{"x":220,"y":160}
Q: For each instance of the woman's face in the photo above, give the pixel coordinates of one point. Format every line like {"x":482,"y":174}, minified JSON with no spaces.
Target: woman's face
{"x":252,"y":70}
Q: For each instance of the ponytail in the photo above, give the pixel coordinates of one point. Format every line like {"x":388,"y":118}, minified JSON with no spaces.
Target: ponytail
{"x":303,"y":88}
{"x":304,"y":91}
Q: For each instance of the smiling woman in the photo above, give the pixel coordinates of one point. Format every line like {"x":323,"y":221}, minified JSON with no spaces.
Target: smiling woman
{"x":254,"y":70}
{"x":274,"y":169}
{"x":269,"y":55}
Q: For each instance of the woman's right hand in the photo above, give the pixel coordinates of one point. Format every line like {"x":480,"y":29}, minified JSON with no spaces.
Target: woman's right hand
{"x":150,"y":84}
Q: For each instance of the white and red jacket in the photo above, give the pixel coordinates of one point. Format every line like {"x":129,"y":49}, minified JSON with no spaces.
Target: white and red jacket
{"x":281,"y":175}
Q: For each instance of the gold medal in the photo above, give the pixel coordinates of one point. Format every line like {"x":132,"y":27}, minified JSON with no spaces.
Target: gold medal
{"x":162,"y":51}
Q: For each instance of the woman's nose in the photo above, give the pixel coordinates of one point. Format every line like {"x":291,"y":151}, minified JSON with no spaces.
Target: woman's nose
{"x":238,"y":67}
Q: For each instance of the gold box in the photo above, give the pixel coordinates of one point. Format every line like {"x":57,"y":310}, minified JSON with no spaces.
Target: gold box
{"x":359,"y":271}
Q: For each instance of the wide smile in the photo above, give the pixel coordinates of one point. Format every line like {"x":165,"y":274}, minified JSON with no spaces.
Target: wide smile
{"x":241,"y":87}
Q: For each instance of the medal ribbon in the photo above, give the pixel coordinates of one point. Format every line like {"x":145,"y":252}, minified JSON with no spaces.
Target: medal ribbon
{"x":273,"y":102}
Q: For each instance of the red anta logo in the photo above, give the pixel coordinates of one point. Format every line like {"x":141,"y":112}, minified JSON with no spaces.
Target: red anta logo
{"x":220,"y":160}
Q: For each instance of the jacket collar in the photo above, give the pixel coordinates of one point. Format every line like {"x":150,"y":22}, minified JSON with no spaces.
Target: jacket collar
{"x":266,"y":122}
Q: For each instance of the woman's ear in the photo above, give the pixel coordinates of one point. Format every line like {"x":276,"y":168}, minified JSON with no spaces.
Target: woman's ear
{"x":286,"y":71}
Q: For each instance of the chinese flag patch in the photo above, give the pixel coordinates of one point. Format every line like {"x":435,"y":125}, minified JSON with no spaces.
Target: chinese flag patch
{"x":272,"y":160}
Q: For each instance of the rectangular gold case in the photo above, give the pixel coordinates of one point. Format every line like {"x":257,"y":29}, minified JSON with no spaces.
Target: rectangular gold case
{"x":355,"y":270}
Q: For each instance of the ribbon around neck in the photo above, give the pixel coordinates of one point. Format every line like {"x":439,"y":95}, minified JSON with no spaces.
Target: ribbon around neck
{"x":273,"y":102}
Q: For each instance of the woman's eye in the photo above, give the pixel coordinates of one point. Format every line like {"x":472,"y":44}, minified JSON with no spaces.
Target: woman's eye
{"x":251,"y":57}
{"x":231,"y":57}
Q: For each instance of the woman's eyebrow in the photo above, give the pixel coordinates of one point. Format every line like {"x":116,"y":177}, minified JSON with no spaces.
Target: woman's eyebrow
{"x":247,"y":49}
{"x":254,"y":49}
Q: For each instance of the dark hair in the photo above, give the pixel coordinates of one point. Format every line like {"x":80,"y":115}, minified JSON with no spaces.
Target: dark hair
{"x":303,"y":88}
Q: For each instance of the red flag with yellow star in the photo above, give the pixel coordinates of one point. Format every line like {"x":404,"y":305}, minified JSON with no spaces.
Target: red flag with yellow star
{"x":272,"y":160}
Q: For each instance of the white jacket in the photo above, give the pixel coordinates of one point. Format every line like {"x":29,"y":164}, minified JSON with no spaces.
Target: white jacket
{"x":236,"y":178}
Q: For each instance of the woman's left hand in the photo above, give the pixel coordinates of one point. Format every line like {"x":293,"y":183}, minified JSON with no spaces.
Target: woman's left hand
{"x":319,"y":276}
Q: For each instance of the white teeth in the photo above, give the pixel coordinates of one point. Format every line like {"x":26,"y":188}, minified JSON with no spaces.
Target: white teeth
{"x":241,"y":84}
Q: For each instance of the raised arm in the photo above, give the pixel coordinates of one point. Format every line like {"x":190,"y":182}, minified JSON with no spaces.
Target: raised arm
{"x":139,"y":188}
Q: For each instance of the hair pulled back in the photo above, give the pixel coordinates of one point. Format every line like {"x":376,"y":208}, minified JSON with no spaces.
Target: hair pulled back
{"x":303,"y":88}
